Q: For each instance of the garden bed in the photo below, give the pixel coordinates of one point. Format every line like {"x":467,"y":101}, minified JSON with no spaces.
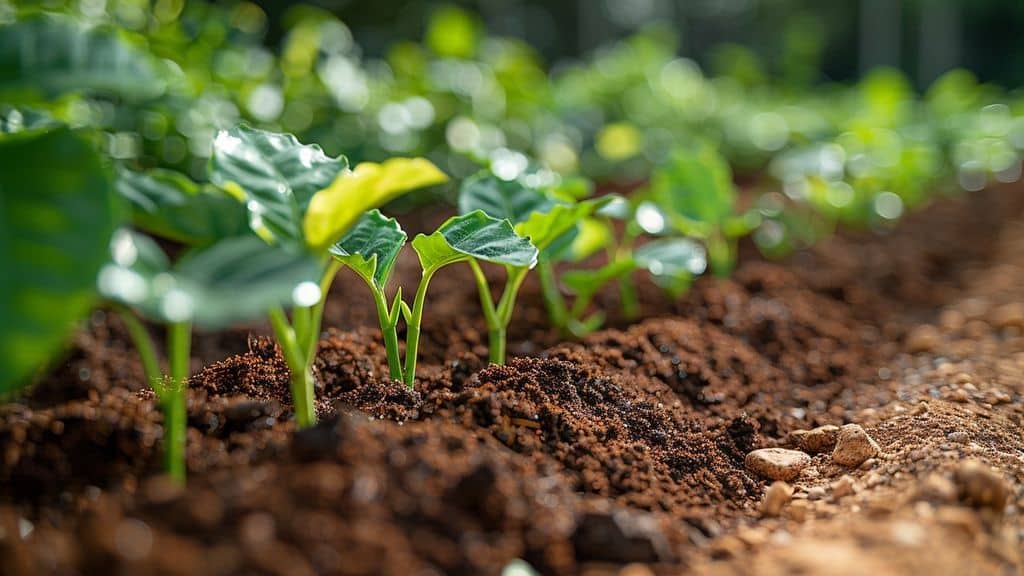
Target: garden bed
{"x":578,"y":456}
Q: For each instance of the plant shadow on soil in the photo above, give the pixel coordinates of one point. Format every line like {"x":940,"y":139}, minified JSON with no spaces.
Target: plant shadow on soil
{"x":626,"y":446}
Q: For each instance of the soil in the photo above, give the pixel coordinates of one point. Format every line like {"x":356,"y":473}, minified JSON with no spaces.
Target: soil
{"x":623,"y":453}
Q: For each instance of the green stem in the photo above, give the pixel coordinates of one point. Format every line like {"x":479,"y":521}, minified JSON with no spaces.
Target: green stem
{"x":412,"y":338}
{"x":721,"y":254}
{"x":553,"y":299}
{"x":302,"y":375}
{"x":174,"y":399}
{"x":316,"y":314}
{"x":389,"y":330}
{"x":498,"y":336}
{"x":627,"y":285}
{"x":484,"y":290}
{"x":496,"y":341}
{"x":143,"y":343}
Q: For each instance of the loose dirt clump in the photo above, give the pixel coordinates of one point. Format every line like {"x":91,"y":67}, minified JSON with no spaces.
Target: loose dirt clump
{"x":617,"y":441}
{"x":699,"y":367}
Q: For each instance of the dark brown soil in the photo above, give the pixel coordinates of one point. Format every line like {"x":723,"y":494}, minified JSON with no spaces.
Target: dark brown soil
{"x":625,"y":447}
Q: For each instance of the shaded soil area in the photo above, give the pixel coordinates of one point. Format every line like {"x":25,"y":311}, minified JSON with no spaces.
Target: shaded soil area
{"x":621,"y":452}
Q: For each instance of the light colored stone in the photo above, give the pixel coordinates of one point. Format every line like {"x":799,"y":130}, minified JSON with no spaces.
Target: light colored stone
{"x":853,"y":446}
{"x":1008,"y":315}
{"x":798,"y":510}
{"x":820,"y":439}
{"x":775,"y":498}
{"x":635,"y":570}
{"x":777,"y":463}
{"x":842,"y":487}
{"x":924,"y":338}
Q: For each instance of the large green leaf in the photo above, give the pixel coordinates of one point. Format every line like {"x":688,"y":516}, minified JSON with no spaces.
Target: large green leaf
{"x":474,"y":236}
{"x":48,"y":55}
{"x":338,"y":207}
{"x":544,"y":228}
{"x":277,"y":175}
{"x":371,"y":247}
{"x":501,"y":198}
{"x":695,"y":189}
{"x":58,"y":210}
{"x":235,"y":280}
{"x":170,"y":205}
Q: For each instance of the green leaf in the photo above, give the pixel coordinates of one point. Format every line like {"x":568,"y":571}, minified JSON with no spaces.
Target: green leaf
{"x":672,"y":262}
{"x":170,"y":205}
{"x":371,"y":247}
{"x":586,"y":283}
{"x":593,"y":235}
{"x":543,"y":228}
{"x":500,"y":198}
{"x":235,"y":280}
{"x":276,"y":174}
{"x":695,"y":189}
{"x":49,"y":55}
{"x":58,"y":210}
{"x":474,"y":236}
{"x":337,"y":208}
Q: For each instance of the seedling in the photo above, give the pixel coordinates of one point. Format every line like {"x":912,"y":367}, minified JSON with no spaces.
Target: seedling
{"x":234,"y":280}
{"x":548,"y":220}
{"x":370,"y":250}
{"x":695,"y":195}
{"x":565,"y":229}
{"x":297,"y":196}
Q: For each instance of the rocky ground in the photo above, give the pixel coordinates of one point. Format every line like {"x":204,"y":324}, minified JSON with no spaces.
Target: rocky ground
{"x":929,"y":477}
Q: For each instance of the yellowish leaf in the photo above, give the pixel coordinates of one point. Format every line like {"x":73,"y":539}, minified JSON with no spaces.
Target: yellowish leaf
{"x":335,"y":209}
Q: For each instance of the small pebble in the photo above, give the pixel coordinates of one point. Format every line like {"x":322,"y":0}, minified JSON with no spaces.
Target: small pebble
{"x":775,"y":498}
{"x":777,"y":463}
{"x":959,"y":437}
{"x":842,"y":487}
{"x":853,"y":446}
{"x":820,"y":439}
{"x":924,"y":338}
{"x":1008,"y":315}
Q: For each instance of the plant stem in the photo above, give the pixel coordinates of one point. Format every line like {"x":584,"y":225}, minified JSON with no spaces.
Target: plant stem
{"x":721,"y":254}
{"x":627,"y":286}
{"x":412,"y":338}
{"x":300,"y":366}
{"x":496,"y":342}
{"x":174,"y":398}
{"x":316,"y":313}
{"x":389,"y":330}
{"x":553,"y":299}
{"x":499,"y":334}
{"x":143,"y":343}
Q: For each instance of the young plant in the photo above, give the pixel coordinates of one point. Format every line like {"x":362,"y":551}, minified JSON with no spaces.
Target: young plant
{"x":549,"y":222}
{"x":370,"y":250}
{"x":566,"y":228}
{"x":695,"y":195}
{"x":235,"y":279}
{"x":298,"y":196}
